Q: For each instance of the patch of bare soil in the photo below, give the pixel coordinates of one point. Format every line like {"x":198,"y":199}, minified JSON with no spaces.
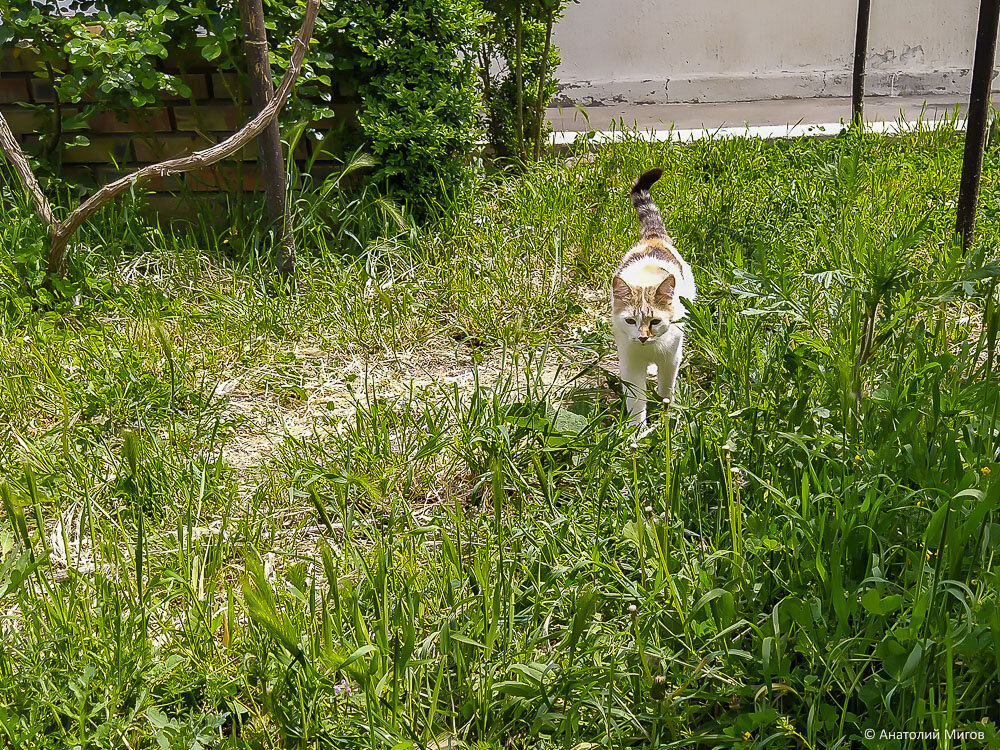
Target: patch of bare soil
{"x":331,"y":387}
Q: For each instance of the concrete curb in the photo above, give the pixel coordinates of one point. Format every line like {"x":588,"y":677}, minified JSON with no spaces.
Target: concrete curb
{"x":566,"y":138}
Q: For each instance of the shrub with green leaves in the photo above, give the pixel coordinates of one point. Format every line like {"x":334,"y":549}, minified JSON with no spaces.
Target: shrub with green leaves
{"x":419,"y":99}
{"x":412,"y":66}
{"x":104,"y":61}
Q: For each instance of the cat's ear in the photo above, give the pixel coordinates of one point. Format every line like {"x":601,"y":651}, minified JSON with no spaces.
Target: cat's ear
{"x":665,"y":291}
{"x":620,"y":291}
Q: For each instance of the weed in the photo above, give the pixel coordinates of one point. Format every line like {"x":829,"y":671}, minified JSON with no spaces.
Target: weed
{"x":400,"y":508}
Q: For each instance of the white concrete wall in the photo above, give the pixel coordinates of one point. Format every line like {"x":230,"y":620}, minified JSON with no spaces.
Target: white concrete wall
{"x":662,"y":51}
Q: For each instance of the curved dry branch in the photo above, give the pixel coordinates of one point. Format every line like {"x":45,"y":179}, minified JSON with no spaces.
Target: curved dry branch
{"x":17,"y":159}
{"x":60,"y":232}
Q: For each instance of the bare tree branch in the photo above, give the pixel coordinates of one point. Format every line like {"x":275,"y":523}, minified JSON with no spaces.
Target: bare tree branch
{"x":17,"y":159}
{"x":60,"y":232}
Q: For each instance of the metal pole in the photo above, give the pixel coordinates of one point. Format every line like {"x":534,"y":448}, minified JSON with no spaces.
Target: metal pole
{"x":975,"y":129}
{"x":860,"y":56}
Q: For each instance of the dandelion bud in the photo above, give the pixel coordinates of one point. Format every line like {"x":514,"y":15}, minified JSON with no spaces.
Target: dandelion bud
{"x":658,"y":691}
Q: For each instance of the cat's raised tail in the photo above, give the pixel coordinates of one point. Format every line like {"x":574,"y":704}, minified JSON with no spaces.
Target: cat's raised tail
{"x":650,"y":221}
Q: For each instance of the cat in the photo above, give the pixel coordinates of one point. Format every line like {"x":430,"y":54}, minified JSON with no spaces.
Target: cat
{"x":646,"y":311}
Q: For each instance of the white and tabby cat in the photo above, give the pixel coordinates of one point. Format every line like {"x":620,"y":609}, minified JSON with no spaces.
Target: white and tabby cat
{"x":646,"y":311}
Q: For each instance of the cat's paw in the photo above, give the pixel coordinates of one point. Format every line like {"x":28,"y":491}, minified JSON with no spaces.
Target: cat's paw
{"x":646,"y":430}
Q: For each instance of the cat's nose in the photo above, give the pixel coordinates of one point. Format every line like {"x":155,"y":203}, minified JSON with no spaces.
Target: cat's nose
{"x":643,"y":339}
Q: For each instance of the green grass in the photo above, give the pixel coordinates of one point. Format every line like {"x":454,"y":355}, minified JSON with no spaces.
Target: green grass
{"x":400,"y":504}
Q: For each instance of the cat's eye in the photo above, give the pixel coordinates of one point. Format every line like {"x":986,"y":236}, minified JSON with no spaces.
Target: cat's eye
{"x":655,"y":322}
{"x":630,"y":321}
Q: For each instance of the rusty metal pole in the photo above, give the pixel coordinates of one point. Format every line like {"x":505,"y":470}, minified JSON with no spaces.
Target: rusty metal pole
{"x":860,"y":57}
{"x":976,"y":119}
{"x":269,"y":142}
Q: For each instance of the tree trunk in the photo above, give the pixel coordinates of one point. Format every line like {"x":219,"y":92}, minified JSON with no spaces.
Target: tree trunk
{"x":268,"y":142}
{"x":541,"y":84}
{"x":519,"y":82}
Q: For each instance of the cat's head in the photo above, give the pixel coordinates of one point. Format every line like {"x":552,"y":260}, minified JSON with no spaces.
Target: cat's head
{"x":643,"y":313}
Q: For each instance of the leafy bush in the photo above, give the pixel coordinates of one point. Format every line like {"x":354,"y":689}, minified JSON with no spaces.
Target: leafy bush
{"x":419,"y":100}
{"x":105,"y":64}
{"x":411,"y":64}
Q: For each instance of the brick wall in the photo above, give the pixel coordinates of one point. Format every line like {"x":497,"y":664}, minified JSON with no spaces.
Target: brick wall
{"x":175,"y":126}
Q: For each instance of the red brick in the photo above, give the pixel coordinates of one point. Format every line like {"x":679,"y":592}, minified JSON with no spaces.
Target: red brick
{"x":22,"y":120}
{"x":333,"y":147}
{"x":41,"y":91}
{"x":98,"y":175}
{"x":225,"y":178}
{"x":145,"y":120}
{"x":167,"y":147}
{"x":18,"y":59}
{"x":218,"y":116}
{"x":321,"y":171}
{"x":197,"y":82}
{"x":228,"y":85}
{"x":85,"y":173}
{"x":186,"y":60}
{"x":13,"y":90}
{"x":69,"y":112}
{"x":181,"y":144}
{"x":345,"y":114}
{"x":204,"y":207}
{"x":102,"y":149}
{"x":302,"y":149}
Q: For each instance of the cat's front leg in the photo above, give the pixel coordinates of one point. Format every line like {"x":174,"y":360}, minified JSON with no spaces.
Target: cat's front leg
{"x":633,"y":372}
{"x":666,"y":369}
